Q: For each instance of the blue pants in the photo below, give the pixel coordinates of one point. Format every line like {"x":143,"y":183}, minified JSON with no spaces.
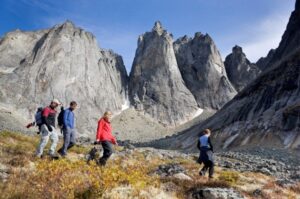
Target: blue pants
{"x":69,"y":140}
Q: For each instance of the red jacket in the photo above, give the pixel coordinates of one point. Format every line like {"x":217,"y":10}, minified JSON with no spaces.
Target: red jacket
{"x":104,"y":131}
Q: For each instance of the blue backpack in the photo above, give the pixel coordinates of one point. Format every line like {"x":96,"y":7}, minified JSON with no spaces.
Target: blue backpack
{"x":38,"y":116}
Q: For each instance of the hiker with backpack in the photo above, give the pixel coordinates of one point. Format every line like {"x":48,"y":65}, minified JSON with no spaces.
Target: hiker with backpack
{"x":37,"y":120}
{"x":206,"y":153}
{"x":48,"y":129}
{"x":105,"y":138}
{"x":68,"y":121}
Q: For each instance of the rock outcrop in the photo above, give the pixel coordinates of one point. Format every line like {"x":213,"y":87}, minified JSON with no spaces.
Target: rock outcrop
{"x":239,"y":69}
{"x":203,"y":71}
{"x":263,"y":62}
{"x":156,"y":85}
{"x":63,"y":62}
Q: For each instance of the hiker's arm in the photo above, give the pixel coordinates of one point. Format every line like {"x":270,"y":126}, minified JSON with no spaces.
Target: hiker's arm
{"x":99,"y":130}
{"x":211,"y":146}
{"x":198,"y":144}
{"x":66,"y":119}
{"x":45,"y":115}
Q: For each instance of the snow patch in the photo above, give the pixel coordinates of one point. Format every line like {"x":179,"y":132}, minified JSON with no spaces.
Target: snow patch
{"x":197,"y":113}
{"x":126,"y":105}
{"x":218,"y":67}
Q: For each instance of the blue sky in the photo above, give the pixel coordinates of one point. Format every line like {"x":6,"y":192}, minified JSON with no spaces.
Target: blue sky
{"x":256,"y":25}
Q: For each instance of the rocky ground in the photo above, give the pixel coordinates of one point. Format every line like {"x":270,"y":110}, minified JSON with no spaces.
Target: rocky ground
{"x":144,"y":173}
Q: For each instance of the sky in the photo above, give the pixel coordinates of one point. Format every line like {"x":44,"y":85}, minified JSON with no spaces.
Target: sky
{"x":255,"y":25}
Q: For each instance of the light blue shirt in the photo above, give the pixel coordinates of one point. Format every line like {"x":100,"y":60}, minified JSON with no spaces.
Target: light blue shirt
{"x":204,"y":141}
{"x":69,"y":119}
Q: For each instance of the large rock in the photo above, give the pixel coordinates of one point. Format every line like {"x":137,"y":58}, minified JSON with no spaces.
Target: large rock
{"x":203,"y":71}
{"x":156,"y":85}
{"x":215,"y":193}
{"x":63,"y":62}
{"x":239,"y":69}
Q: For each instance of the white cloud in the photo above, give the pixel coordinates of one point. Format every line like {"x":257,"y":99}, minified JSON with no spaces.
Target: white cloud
{"x":265,"y":36}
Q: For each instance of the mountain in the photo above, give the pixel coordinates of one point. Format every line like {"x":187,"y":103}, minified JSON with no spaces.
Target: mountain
{"x":156,"y":86}
{"x":239,"y":69}
{"x":266,"y":112}
{"x":203,"y":71}
{"x":264,"y":61}
{"x":63,"y":62}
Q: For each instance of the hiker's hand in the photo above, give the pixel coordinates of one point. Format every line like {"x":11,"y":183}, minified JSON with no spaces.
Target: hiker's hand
{"x":50,"y":128}
{"x":96,"y":142}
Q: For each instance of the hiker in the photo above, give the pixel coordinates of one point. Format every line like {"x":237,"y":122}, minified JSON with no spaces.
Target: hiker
{"x":48,"y":130}
{"x":68,"y":129}
{"x":105,"y":137}
{"x":37,"y":120}
{"x":206,"y":153}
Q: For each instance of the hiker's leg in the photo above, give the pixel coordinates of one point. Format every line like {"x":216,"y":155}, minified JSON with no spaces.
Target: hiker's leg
{"x":72,"y":138}
{"x":107,"y":151}
{"x":44,"y":140}
{"x":67,"y":137}
{"x":204,"y":169}
{"x":211,"y":169}
{"x":54,"y":139}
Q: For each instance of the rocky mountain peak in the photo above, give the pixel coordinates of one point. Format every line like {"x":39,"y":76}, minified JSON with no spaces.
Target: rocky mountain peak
{"x":263,"y":62}
{"x":239,"y":69}
{"x":203,"y":71}
{"x":158,"y":27}
{"x":68,"y":24}
{"x":203,"y":37}
{"x":156,"y":85}
{"x":60,"y":63}
{"x":237,"y":50}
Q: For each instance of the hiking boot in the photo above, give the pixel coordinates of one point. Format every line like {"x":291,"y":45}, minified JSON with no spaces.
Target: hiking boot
{"x":54,"y":156}
{"x":101,"y":162}
{"x":201,"y":173}
{"x":61,"y":153}
{"x":39,"y":156}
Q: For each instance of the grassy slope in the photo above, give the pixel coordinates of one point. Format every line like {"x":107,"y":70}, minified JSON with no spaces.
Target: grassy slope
{"x":127,"y":175}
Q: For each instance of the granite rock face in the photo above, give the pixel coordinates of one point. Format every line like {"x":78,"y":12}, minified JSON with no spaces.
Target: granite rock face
{"x":63,"y":62}
{"x":239,"y":69}
{"x":203,"y":71}
{"x":266,"y":112}
{"x":156,"y":85}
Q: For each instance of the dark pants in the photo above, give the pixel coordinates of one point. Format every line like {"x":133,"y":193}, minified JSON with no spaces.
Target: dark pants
{"x":208,"y":165}
{"x":206,"y":157}
{"x":69,"y":140}
{"x":107,"y":152}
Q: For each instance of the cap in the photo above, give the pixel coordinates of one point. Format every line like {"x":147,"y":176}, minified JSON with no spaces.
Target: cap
{"x":56,"y":101}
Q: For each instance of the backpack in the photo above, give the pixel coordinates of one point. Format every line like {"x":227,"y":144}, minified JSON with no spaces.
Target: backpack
{"x":60,"y":118}
{"x":38,"y":116}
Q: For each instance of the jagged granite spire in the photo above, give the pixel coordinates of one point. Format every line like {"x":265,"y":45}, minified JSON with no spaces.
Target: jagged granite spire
{"x":203,"y":71}
{"x":156,"y":86}
{"x":239,"y":69}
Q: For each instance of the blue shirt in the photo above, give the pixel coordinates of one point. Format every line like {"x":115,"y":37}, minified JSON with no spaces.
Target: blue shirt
{"x":204,"y":141}
{"x":69,"y":118}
